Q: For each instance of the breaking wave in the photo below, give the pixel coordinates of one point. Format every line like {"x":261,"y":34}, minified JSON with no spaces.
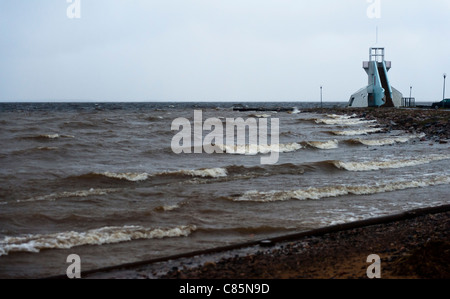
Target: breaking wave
{"x":330,"y":144}
{"x":315,"y":193}
{"x":384,"y":141}
{"x":61,"y":195}
{"x":101,"y":236}
{"x":377,"y":165}
{"x":144,"y":176}
{"x":254,"y":149}
{"x":204,"y":173}
{"x":166,"y":208}
{"x":132,"y":177}
{"x":344,"y":121}
{"x":335,"y":116}
{"x":260,"y":115}
{"x":357,"y":132}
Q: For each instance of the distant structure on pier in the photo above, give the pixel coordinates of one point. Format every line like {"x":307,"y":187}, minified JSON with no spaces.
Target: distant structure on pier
{"x":379,"y":92}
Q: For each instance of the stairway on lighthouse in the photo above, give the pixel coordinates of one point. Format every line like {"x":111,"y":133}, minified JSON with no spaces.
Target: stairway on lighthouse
{"x":382,"y":71}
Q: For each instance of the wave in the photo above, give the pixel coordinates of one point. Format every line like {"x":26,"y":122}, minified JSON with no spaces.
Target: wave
{"x":166,"y":208}
{"x":387,"y":164}
{"x":291,"y":134}
{"x":254,"y":149}
{"x":38,"y":149}
{"x":315,"y":193}
{"x":144,"y":176}
{"x":132,"y":177}
{"x":344,"y":121}
{"x":269,"y":170}
{"x":101,"y":236}
{"x":154,"y":118}
{"x":385,"y":141}
{"x":48,"y":137}
{"x":357,"y":132}
{"x":207,"y":172}
{"x":239,"y":171}
{"x":335,"y":116}
{"x":47,"y":148}
{"x":330,"y":144}
{"x":260,"y":115}
{"x":295,"y":110}
{"x":62,"y":195}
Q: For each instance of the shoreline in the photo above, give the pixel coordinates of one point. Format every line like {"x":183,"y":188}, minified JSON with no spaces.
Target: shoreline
{"x":411,"y":245}
{"x":435,"y":124}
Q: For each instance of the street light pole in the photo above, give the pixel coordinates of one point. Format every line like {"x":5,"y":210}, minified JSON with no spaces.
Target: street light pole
{"x":410,"y":92}
{"x":321,"y":97}
{"x":445,"y":77}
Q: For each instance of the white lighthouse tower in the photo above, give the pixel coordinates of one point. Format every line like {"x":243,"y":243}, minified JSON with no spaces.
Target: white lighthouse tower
{"x":379,"y":92}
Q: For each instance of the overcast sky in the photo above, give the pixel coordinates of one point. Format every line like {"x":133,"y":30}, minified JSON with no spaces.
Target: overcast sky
{"x":218,"y":50}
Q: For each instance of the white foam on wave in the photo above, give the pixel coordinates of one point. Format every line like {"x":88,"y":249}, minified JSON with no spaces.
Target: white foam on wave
{"x":388,"y":164}
{"x":207,"y":172}
{"x":336,"y":116}
{"x":137,"y":177}
{"x":344,"y":121}
{"x":101,"y":236}
{"x":357,"y":132}
{"x":315,"y":193}
{"x":386,"y":141}
{"x":255,"y":149}
{"x":168,"y":207}
{"x":55,"y":136}
{"x":132,"y":177}
{"x":295,"y":111}
{"x":260,"y":115}
{"x":61,"y":195}
{"x":51,"y":136}
{"x":330,"y":144}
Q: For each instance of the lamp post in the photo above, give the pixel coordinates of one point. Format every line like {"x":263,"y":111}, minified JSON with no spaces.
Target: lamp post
{"x":409,"y":103}
{"x":321,"y":96}
{"x":445,"y":77}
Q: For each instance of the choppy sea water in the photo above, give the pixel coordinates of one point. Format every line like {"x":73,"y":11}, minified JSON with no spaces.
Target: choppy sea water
{"x":102,"y":181}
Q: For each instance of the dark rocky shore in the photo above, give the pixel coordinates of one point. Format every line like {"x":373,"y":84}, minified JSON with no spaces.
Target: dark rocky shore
{"x":412,"y":249}
{"x":434,"y":123}
{"x":415,"y":246}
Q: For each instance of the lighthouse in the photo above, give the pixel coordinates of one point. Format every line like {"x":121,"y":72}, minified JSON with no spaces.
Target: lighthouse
{"x":379,"y":92}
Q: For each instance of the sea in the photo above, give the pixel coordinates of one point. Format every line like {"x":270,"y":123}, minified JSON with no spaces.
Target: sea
{"x":102,"y":180}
